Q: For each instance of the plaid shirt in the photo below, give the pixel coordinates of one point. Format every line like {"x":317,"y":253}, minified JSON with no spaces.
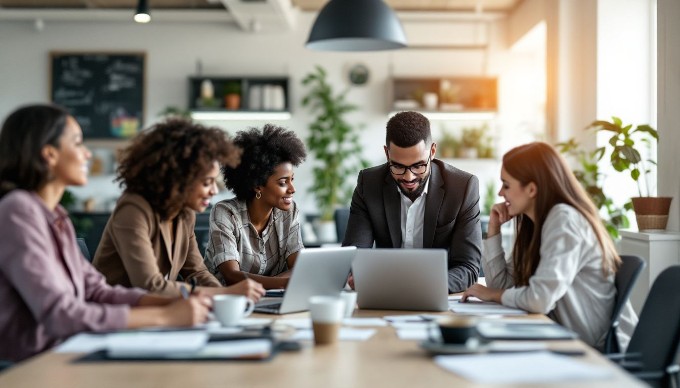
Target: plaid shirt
{"x":233,"y":237}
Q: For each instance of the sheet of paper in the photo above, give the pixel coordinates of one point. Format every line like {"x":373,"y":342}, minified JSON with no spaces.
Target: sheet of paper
{"x":82,"y":343}
{"x":150,"y":344}
{"x":296,"y":323}
{"x":412,"y":334}
{"x":521,"y":368}
{"x":346,"y":334}
{"x":364,"y":322}
{"x":258,"y":348}
{"x":483,"y":308}
{"x":404,"y":318}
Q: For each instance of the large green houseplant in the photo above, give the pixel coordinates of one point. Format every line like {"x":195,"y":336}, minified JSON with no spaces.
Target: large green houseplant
{"x":591,"y":178}
{"x":333,"y":142}
{"x":629,"y":151}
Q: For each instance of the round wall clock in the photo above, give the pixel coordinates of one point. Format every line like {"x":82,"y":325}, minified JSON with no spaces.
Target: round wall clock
{"x":358,"y":74}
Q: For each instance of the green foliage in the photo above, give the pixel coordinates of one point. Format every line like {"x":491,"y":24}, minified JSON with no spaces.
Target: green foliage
{"x":333,"y":142}
{"x":68,"y":200}
{"x":489,"y":198}
{"x":173,"y":111}
{"x":590,"y":178}
{"x":232,"y":88}
{"x":624,"y":155}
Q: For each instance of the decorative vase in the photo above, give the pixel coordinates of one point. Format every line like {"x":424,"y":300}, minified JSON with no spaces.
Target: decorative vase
{"x":325,"y":231}
{"x":651,"y":212}
{"x":467,"y":153}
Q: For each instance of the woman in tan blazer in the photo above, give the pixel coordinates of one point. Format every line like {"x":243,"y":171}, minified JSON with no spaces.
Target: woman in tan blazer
{"x":169,"y":173}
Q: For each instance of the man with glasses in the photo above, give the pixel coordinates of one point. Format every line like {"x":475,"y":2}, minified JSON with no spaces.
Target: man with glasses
{"x":416,"y":201}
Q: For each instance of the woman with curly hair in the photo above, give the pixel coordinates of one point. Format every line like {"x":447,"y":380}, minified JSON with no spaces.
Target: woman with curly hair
{"x":48,"y":291}
{"x":257,"y":234}
{"x":169,"y":173}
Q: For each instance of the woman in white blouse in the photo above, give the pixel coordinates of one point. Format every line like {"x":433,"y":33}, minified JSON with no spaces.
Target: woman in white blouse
{"x":563,"y":261}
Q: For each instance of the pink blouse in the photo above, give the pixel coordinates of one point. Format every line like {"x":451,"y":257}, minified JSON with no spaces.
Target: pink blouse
{"x":48,"y":291}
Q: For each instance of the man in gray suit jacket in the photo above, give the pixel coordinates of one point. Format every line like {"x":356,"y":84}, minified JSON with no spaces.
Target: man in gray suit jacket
{"x":416,"y":201}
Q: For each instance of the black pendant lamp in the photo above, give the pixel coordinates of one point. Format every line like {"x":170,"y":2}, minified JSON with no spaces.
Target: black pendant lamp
{"x":142,"y":15}
{"x":356,"y":25}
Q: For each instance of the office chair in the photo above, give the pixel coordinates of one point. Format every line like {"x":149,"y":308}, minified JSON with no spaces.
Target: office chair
{"x":202,"y":238}
{"x":626,"y":277}
{"x":83,"y":249}
{"x":341,"y":217}
{"x":652,"y":352}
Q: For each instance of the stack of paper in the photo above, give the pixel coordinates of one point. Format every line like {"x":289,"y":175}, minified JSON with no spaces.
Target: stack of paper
{"x":521,"y":368}
{"x":154,"y":344}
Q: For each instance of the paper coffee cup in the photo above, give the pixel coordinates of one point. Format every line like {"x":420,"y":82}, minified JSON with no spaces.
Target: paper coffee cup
{"x":327,"y":313}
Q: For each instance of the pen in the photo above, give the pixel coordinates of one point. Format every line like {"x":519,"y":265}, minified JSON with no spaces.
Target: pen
{"x":183,"y":291}
{"x":193,"y":285}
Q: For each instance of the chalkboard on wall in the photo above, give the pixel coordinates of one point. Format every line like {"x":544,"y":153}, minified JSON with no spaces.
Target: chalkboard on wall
{"x":103,"y":91}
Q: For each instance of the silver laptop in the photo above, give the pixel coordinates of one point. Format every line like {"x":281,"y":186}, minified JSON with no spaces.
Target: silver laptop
{"x":317,"y":271}
{"x":401,"y":279}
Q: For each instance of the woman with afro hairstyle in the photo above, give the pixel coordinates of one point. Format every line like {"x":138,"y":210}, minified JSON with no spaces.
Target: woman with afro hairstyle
{"x":257,"y":234}
{"x":169,"y":173}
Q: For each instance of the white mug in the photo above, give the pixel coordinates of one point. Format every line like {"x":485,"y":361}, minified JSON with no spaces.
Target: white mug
{"x":230,"y":309}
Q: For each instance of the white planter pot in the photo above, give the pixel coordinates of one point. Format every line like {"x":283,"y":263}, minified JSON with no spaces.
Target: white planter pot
{"x":325,"y":231}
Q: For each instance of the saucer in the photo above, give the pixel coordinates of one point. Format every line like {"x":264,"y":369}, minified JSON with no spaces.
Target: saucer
{"x":442,"y":348}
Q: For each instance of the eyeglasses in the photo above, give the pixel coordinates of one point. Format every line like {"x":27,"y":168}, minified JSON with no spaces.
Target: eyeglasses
{"x":416,"y":169}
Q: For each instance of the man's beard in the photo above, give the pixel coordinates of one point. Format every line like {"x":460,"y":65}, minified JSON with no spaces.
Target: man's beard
{"x":413,"y":195}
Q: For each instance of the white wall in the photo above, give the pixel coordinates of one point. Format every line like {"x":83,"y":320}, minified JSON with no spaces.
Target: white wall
{"x":625,"y":79}
{"x":173,"y":50}
{"x":669,"y":104}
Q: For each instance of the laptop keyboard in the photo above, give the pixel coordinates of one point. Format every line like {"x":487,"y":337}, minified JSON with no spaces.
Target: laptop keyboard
{"x":270,"y":308}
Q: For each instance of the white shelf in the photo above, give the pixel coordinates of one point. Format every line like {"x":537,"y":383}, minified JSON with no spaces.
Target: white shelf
{"x":239,"y":115}
{"x":454,"y":116}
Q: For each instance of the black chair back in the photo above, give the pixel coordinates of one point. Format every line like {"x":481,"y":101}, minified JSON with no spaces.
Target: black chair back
{"x":341,"y":217}
{"x":656,"y":337}
{"x":626,"y":277}
{"x":83,"y":249}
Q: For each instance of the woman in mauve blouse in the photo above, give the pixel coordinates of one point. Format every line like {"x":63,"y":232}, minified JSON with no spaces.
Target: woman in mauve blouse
{"x":48,"y":291}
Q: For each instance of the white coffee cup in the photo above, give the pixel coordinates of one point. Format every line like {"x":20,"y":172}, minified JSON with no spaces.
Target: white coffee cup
{"x":231,"y":309}
{"x":350,"y":299}
{"x":327,"y":313}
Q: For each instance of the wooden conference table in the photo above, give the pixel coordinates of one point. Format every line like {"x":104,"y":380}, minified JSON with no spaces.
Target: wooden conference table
{"x":382,"y":361}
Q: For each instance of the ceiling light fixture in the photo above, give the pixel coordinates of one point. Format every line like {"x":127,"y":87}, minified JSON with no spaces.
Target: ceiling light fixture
{"x":142,"y":15}
{"x":356,"y":25}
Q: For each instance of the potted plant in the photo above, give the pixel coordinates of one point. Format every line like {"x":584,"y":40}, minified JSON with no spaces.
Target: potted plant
{"x":447,"y":145}
{"x":232,"y":95}
{"x":623,"y":149}
{"x":334,"y":144}
{"x":470,"y":142}
{"x":590,"y":177}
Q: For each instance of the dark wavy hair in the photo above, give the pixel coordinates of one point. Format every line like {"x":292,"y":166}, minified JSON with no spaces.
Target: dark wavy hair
{"x":263,"y":150}
{"x":24,"y":134}
{"x":406,"y":129}
{"x":164,"y":161}
{"x":540,"y":163}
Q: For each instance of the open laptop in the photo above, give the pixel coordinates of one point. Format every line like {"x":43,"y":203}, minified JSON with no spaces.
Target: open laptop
{"x":401,"y":279}
{"x":317,"y":271}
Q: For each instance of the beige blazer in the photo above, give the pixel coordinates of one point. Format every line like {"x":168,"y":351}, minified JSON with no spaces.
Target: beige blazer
{"x":136,"y":249}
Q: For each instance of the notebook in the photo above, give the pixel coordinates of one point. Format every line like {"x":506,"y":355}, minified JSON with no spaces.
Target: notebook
{"x":401,"y":279}
{"x":524,"y":330}
{"x":317,"y":271}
